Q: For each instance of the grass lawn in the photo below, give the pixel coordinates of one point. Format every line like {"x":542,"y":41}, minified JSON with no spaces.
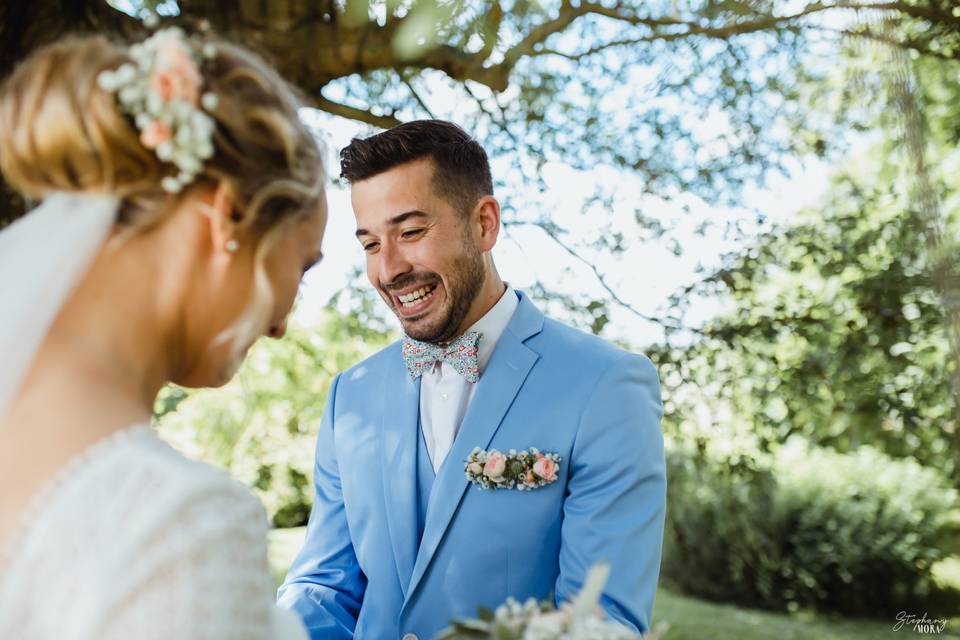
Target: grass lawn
{"x":692,"y":619}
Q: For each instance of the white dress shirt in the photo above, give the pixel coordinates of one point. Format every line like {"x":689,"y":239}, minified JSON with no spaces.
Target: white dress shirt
{"x":445,"y":394}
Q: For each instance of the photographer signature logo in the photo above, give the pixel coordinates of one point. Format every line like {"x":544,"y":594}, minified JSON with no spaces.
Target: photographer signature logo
{"x":923,"y":624}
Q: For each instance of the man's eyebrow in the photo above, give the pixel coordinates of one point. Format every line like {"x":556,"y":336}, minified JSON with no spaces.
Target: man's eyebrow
{"x":397,"y":219}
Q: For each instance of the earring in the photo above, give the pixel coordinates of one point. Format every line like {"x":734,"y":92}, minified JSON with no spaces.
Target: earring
{"x":232,"y":245}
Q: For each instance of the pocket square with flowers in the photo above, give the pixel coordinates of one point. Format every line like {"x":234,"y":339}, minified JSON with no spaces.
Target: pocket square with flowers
{"x":522,"y":470}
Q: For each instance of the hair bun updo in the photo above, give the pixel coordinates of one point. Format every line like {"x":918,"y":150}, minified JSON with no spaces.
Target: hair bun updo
{"x":59,"y":131}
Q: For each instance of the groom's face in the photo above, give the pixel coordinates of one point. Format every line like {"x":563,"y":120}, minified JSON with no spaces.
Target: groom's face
{"x":421,"y":256}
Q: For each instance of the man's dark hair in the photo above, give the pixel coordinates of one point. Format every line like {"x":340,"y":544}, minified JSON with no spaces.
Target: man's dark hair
{"x":461,"y":169}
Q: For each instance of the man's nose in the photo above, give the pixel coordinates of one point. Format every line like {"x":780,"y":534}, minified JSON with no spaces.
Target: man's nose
{"x":393,"y":264}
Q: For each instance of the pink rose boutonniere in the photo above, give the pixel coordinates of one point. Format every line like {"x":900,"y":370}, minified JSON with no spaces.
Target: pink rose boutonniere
{"x":545,"y":468}
{"x":521,"y":470}
{"x":495,"y":465}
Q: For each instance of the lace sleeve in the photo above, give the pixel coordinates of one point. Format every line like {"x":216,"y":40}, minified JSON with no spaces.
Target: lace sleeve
{"x":197,"y":572}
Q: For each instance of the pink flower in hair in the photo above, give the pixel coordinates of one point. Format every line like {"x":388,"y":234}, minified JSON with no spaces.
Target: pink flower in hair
{"x":177,"y":76}
{"x":155,"y":134}
{"x":161,"y":89}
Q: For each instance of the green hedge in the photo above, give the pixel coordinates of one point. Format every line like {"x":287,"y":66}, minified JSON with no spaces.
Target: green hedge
{"x":262,"y":426}
{"x":807,"y":528}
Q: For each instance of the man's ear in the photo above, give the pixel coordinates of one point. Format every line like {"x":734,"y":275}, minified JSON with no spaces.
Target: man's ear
{"x":223,"y":222}
{"x":486,"y":217}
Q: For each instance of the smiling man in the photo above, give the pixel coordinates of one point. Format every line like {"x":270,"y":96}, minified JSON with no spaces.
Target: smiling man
{"x":491,"y":453}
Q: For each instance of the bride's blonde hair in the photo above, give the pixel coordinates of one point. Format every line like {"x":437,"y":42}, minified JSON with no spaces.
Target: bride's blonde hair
{"x":60,"y":131}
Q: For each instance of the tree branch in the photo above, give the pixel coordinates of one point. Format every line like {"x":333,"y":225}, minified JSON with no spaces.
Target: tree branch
{"x":599,"y":276}
{"x":929,"y":13}
{"x":530,"y":46}
{"x":416,"y":96}
{"x":313,"y":52}
{"x":491,"y":30}
{"x":906,"y":43}
{"x":355,"y":113}
{"x":501,"y":122}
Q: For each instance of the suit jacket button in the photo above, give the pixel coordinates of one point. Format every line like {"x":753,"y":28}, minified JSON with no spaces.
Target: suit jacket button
{"x":410,"y":636}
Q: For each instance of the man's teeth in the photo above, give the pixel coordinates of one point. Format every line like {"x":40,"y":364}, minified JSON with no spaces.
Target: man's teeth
{"x":416,"y":297}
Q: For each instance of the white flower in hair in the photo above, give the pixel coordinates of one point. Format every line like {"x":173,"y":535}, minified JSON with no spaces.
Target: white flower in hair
{"x":161,"y":91}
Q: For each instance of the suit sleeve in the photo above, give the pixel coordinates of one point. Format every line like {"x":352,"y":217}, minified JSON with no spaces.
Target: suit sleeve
{"x":616,"y":493}
{"x":325,"y":585}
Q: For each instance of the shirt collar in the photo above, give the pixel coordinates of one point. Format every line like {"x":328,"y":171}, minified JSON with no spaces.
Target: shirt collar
{"x":493,"y":324}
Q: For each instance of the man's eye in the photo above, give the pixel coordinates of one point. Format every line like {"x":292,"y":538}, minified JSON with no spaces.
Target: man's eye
{"x":412,"y":233}
{"x":370,"y":246}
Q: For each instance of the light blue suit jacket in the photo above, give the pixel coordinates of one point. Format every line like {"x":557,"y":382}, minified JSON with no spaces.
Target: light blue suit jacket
{"x":360,"y":573}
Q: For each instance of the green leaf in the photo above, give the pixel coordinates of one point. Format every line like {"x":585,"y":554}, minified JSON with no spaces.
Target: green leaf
{"x":355,"y":13}
{"x":420,"y":31}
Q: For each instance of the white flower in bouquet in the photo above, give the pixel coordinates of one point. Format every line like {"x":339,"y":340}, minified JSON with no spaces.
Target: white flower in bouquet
{"x":582,"y":619}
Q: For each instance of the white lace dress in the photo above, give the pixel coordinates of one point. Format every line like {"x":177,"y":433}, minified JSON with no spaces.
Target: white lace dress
{"x":132,"y":540}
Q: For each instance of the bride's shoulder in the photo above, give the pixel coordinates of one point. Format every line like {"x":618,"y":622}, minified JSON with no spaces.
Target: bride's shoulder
{"x":140,"y":525}
{"x":146,"y":450}
{"x":131,"y":500}
{"x":166,"y":473}
{"x":157,"y":507}
{"x":137,"y":474}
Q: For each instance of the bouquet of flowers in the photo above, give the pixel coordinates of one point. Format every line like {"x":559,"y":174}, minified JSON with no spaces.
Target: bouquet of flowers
{"x":581,"y":619}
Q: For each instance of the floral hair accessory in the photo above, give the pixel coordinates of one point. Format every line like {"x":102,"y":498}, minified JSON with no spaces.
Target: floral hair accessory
{"x":161,"y":91}
{"x":523,"y":470}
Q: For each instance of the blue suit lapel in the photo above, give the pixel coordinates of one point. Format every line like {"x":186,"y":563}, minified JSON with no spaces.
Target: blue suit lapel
{"x":398,"y":452}
{"x":498,"y":386}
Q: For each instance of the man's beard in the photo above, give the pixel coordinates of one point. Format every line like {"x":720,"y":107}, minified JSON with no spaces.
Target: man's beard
{"x":464,"y":284}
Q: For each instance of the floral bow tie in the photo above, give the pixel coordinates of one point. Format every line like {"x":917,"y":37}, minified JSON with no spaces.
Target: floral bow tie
{"x":461,"y":354}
